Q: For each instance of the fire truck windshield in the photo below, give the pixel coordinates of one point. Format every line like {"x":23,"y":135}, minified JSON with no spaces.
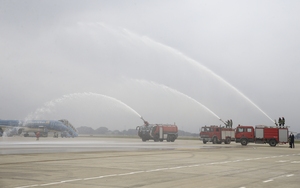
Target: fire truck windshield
{"x":205,"y":129}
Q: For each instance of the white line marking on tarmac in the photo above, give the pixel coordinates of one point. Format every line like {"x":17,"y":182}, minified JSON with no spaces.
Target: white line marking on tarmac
{"x":137,"y":172}
{"x":159,"y":169}
{"x":177,"y":167}
{"x":155,"y":170}
{"x":99,"y":177}
{"x":92,"y":178}
{"x":67,"y":181}
{"x":295,"y":162}
{"x":194,"y":165}
{"x":27,"y":186}
{"x":162,"y":169}
{"x":125,"y":174}
{"x":112,"y":175}
{"x":53,"y":183}
{"x":283,"y":161}
{"x":267,"y":181}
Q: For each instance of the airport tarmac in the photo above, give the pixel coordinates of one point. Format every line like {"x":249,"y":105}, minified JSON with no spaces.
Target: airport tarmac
{"x":90,"y":162}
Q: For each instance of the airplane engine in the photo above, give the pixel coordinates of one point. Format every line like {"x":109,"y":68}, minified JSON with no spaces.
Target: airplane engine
{"x":14,"y":131}
{"x":19,"y":131}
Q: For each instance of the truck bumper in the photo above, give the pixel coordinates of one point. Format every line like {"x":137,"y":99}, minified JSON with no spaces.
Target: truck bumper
{"x":205,"y":139}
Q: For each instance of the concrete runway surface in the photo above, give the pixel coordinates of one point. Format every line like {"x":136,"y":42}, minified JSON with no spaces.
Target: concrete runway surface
{"x":90,"y":162}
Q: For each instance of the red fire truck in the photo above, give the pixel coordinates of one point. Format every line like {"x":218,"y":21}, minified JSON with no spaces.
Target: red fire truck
{"x":216,"y":134}
{"x":157,"y":132}
{"x":261,"y":134}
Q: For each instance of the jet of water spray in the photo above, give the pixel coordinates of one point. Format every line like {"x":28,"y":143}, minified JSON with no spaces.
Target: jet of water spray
{"x":179,"y":93}
{"x":193,"y":62}
{"x":48,"y":105}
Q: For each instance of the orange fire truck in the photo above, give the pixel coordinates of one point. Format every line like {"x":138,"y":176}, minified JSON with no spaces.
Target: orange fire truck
{"x":217,"y":134}
{"x":261,"y":134}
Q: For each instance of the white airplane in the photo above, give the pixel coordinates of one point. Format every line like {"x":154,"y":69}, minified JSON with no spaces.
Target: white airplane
{"x":17,"y":127}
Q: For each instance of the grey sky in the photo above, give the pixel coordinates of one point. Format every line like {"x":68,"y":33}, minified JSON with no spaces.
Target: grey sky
{"x":140,"y":52}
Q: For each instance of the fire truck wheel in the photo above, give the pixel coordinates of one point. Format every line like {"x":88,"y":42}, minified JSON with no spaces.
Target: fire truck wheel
{"x":143,"y":139}
{"x":215,"y":140}
{"x":204,"y":141}
{"x":272,"y":143}
{"x":168,"y":138}
{"x":161,"y":140}
{"x":244,"y":141}
{"x":227,"y":141}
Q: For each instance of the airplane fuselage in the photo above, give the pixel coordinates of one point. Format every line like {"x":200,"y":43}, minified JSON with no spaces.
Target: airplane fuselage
{"x":44,"y":126}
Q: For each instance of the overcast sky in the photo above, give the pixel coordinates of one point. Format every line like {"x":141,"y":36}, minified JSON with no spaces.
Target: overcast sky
{"x":105,"y":63}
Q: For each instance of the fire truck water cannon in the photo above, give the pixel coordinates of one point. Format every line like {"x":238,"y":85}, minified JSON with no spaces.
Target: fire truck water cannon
{"x":157,"y":132}
{"x":222,"y":121}
{"x":145,"y":122}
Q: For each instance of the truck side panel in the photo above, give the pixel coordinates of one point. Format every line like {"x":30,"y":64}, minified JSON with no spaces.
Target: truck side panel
{"x":283,"y":135}
{"x":228,"y":133}
{"x":170,"y":129}
{"x":223,"y":134}
{"x":270,"y":133}
{"x":259,"y":133}
{"x":233,"y":135}
{"x":161,"y":136}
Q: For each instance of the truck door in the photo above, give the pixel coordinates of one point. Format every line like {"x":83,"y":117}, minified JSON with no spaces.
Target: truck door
{"x":239,"y":132}
{"x":250,"y":133}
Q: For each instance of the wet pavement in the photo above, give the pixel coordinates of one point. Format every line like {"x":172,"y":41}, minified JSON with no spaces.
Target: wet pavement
{"x":119,"y":162}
